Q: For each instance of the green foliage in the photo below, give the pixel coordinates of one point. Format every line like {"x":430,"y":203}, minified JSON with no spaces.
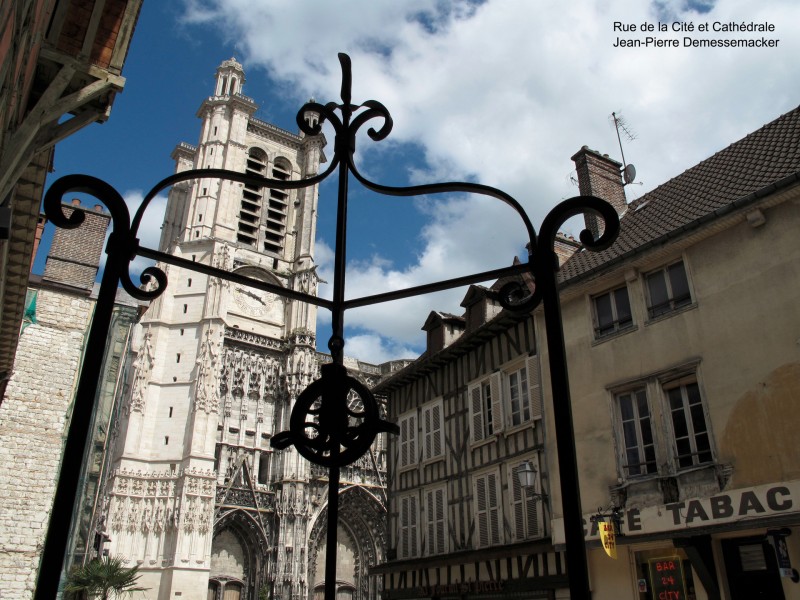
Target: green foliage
{"x":101,"y":578}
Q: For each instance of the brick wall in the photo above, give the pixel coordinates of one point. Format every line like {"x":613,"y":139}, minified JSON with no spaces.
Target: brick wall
{"x":32,"y":421}
{"x":75,"y":254}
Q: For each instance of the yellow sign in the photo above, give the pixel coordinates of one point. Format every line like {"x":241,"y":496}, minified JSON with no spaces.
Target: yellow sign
{"x":608,"y":539}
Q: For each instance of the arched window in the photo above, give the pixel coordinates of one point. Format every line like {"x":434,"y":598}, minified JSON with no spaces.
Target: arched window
{"x":278,"y":208}
{"x":233,"y":89}
{"x":252,"y":199}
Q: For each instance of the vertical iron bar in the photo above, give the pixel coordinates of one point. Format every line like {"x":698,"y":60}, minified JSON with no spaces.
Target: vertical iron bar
{"x":333,"y":527}
{"x":55,"y":544}
{"x":577,"y":564}
{"x":336,"y":343}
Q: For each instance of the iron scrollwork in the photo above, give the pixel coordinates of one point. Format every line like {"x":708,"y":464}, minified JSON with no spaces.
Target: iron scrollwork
{"x":322,"y":427}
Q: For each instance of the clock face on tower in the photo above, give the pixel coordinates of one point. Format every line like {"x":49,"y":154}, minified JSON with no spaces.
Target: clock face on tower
{"x":253,"y":302}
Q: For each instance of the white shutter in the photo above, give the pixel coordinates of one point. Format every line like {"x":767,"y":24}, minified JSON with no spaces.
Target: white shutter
{"x":535,"y":386}
{"x":488,"y":515}
{"x":524,"y":506}
{"x":441,"y":521}
{"x":413,"y":517}
{"x":476,"y":412}
{"x":517,"y":502}
{"x":403,"y":454}
{"x":408,"y":433}
{"x":481,"y":512}
{"x":403,"y":542}
{"x":493,"y":505}
{"x":432,"y":430}
{"x":498,"y":420}
{"x":408,"y":527}
{"x":412,"y":440}
{"x":435,"y":520}
{"x":436,"y":419}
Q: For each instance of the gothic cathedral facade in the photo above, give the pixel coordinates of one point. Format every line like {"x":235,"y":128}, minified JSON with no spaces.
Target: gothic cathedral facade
{"x":196,"y":496}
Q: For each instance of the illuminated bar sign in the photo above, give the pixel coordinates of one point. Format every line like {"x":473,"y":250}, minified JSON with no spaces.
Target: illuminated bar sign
{"x":666,"y":576}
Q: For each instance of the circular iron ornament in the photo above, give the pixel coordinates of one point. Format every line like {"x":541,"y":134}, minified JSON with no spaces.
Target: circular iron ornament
{"x":325,"y":428}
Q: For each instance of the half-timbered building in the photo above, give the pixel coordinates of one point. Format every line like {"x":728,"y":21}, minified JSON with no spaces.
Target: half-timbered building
{"x":463,"y":520}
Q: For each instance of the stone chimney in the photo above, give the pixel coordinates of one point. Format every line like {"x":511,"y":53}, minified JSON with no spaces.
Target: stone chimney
{"x":601,"y":176}
{"x":74,"y":256}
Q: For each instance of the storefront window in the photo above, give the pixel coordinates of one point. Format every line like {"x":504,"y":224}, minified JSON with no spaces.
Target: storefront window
{"x":664,"y":570}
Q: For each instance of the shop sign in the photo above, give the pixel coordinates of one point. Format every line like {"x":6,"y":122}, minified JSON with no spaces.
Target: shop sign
{"x":727,"y":507}
{"x":607,"y":538}
{"x":467,"y":587}
{"x":666,"y":575}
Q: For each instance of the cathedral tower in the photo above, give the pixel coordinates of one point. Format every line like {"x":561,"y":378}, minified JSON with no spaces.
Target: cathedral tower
{"x":197,"y":497}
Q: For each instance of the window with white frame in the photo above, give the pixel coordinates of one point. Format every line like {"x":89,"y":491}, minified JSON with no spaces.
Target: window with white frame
{"x":436,"y":520}
{"x":487,"y":510}
{"x":523,"y":386}
{"x":408,"y":440}
{"x":408,"y":531}
{"x":667,"y":289}
{"x":485,"y":408}
{"x":612,"y":312}
{"x":687,"y":416}
{"x":644,"y":448}
{"x":432,"y":435}
{"x":636,"y":442}
{"x":525,"y":506}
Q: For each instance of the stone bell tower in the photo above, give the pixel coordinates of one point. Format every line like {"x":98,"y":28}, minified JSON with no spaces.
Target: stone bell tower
{"x":197,"y":497}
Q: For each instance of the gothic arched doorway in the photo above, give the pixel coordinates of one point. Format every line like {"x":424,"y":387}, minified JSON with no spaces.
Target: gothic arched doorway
{"x":360,"y":545}
{"x":238,"y":558}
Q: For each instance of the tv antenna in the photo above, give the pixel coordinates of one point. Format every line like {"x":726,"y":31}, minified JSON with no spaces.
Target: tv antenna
{"x":628,"y":171}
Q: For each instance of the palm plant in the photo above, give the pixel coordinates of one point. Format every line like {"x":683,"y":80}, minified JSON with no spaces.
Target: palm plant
{"x":100,"y":578}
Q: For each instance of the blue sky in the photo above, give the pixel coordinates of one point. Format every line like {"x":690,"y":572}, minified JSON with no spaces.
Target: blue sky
{"x":501,"y":92}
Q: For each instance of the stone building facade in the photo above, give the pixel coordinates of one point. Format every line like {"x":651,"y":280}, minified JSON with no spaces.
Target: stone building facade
{"x":684,"y":364}
{"x":39,"y":396}
{"x":196,"y":495}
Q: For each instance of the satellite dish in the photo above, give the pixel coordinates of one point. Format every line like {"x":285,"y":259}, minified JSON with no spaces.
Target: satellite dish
{"x":629,"y":174}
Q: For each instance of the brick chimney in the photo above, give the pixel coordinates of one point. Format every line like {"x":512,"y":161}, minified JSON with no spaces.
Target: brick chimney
{"x":74,"y":255}
{"x":601,"y":176}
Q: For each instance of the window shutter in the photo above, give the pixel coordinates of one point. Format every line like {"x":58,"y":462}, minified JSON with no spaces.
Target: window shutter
{"x":412,"y":440}
{"x":481,"y":512}
{"x":476,"y":412}
{"x":427,"y":432}
{"x":436,"y":419}
{"x":413,"y":515}
{"x":493,"y":504}
{"x":532,"y":529}
{"x":403,"y":458}
{"x":435,"y":515}
{"x":441,"y":521}
{"x":535,"y":386}
{"x":498,"y":421}
{"x":517,"y":499}
{"x":404,"y":527}
{"x":432,"y":430}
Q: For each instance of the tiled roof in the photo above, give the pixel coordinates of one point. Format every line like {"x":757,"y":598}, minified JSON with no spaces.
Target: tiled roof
{"x":743,"y":171}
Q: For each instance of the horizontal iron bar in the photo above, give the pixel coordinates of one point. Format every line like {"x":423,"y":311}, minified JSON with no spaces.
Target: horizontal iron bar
{"x":436,"y":287}
{"x":248,"y":281}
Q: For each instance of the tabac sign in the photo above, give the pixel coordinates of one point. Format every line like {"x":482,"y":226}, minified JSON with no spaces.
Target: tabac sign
{"x":726,"y":507}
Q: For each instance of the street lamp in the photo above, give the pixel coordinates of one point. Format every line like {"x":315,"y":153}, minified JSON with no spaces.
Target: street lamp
{"x":526,"y":476}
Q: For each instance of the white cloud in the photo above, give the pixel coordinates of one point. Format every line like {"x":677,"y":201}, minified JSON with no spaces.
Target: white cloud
{"x":505,"y":92}
{"x":149,"y":232}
